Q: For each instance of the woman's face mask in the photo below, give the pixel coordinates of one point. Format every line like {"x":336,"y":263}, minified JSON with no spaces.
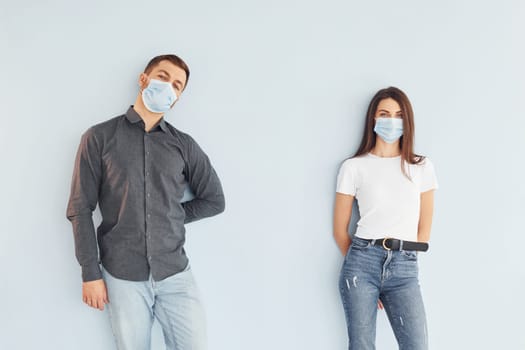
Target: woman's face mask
{"x":389,"y":129}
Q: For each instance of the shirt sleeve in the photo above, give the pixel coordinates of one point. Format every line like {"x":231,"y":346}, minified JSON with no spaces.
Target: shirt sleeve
{"x":204,"y":183}
{"x":346,"y":179}
{"x":428,"y":177}
{"x":82,"y":202}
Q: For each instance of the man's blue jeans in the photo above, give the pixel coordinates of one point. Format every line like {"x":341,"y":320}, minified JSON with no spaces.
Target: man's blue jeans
{"x":371,"y":273}
{"x":174,"y":302}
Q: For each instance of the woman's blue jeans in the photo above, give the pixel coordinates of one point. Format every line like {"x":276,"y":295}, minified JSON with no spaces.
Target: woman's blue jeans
{"x":371,"y":273}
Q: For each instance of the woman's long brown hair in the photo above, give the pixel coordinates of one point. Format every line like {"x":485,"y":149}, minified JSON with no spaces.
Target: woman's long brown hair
{"x":406,"y":141}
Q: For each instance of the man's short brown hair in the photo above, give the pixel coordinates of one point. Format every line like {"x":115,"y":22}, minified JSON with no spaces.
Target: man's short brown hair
{"x":176,"y":60}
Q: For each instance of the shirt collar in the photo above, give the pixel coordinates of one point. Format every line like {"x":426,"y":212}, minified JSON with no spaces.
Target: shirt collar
{"x":134,"y":117}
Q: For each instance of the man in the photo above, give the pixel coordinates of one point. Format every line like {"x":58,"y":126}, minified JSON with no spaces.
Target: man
{"x":136,"y":166}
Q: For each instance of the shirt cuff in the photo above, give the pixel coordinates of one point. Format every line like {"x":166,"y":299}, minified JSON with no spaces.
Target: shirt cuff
{"x":91,"y":273}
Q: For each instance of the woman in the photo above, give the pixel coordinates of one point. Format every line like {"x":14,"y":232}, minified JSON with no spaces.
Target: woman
{"x":394,"y":189}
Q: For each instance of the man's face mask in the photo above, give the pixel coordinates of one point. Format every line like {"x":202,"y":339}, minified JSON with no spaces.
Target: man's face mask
{"x":158,"y":96}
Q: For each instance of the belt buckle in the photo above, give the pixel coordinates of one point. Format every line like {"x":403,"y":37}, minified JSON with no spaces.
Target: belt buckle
{"x":384,"y":243}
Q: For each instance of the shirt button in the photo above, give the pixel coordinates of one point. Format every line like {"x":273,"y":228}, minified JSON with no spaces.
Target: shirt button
{"x":149,"y":258}
{"x":149,"y":195}
{"x":149,"y":215}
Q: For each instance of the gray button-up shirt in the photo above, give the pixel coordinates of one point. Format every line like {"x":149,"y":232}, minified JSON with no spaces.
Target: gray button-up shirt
{"x":138,"y":179}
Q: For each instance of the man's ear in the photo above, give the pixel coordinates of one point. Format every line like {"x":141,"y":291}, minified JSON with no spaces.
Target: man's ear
{"x":143,"y":81}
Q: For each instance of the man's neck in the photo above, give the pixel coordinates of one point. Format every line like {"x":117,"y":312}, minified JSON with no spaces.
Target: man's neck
{"x":149,"y":118}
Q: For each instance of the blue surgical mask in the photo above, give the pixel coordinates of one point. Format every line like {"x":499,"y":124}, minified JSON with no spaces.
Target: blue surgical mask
{"x":389,"y":129}
{"x":158,"y":96}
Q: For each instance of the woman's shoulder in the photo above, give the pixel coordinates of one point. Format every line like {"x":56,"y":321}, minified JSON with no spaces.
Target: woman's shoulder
{"x":425,"y":162}
{"x":424,"y":166}
{"x":354,"y":162}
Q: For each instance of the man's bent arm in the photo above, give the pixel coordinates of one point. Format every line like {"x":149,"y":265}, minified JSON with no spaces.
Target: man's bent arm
{"x":205,"y":185}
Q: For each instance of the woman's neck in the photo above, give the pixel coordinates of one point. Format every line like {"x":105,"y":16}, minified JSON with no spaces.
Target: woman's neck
{"x":386,"y":150}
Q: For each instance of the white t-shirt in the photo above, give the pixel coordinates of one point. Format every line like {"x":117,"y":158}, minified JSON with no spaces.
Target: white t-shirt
{"x":389,"y":202}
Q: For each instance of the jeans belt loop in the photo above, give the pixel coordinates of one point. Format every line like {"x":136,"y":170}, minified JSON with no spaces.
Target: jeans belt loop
{"x":400,"y":244}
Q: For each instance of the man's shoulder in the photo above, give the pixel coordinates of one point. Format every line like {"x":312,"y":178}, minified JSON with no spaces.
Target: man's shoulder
{"x":102,"y":128}
{"x":180,"y":135}
{"x":107,"y":124}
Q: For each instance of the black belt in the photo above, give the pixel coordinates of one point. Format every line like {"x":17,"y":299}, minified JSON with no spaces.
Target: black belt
{"x":398,"y":244}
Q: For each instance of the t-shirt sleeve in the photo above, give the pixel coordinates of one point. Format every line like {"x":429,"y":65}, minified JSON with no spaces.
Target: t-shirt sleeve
{"x":428,"y":177}
{"x":346,"y":179}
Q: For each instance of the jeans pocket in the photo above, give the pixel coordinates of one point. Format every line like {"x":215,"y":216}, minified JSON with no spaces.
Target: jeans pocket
{"x":409,"y":254}
{"x":359,"y":244}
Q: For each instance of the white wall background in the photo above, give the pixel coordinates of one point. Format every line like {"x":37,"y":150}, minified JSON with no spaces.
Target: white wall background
{"x":277,"y":98}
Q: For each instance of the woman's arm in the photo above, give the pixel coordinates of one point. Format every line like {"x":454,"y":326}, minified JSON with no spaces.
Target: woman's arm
{"x":342,"y":215}
{"x":425,"y":216}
